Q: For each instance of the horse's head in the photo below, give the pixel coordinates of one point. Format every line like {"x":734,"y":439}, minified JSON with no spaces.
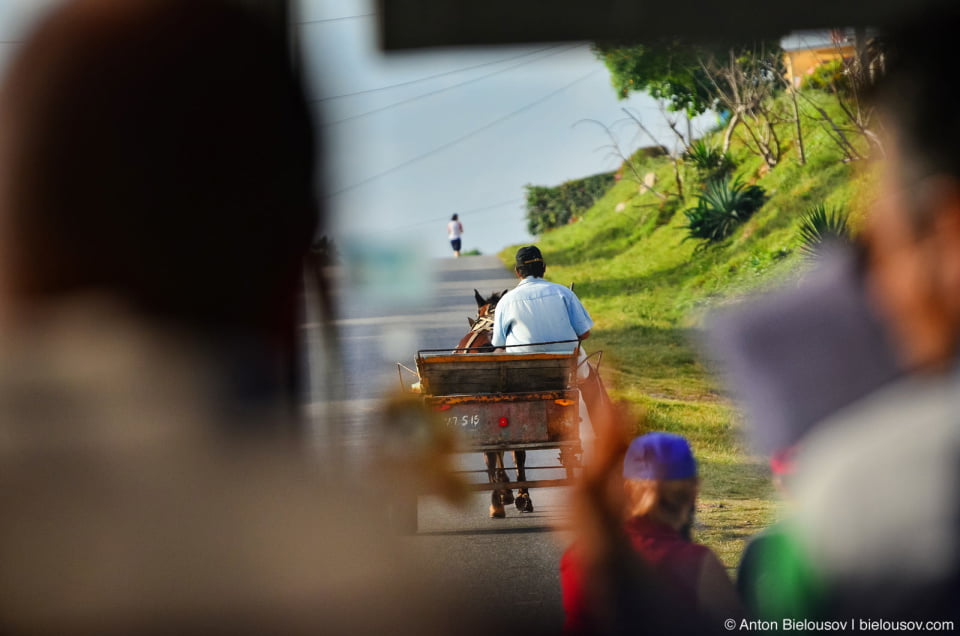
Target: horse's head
{"x":481,"y":329}
{"x":486,"y":306}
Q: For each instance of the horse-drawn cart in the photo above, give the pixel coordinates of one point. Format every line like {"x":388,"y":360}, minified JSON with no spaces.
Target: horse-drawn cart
{"x":507,"y":402}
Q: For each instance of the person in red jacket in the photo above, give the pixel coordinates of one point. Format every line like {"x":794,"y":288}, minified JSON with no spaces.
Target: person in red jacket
{"x":690,"y":584}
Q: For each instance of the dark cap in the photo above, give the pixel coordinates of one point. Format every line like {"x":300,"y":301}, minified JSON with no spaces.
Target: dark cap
{"x":528,"y":255}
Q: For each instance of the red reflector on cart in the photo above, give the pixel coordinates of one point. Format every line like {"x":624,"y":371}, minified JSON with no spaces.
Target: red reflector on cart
{"x":442,"y":407}
{"x":563,"y":402}
{"x":503,"y":422}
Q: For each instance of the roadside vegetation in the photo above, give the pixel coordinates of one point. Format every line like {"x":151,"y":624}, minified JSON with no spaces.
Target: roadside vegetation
{"x":677,"y":235}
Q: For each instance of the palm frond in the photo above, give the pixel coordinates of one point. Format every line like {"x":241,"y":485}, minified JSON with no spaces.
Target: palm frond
{"x":821,"y":226}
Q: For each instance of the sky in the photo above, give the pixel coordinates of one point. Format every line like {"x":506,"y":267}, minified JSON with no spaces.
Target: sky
{"x":452,"y":131}
{"x":482,"y":123}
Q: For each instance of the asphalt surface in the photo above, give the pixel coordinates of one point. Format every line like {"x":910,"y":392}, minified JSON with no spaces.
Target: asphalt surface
{"x":509,"y":566}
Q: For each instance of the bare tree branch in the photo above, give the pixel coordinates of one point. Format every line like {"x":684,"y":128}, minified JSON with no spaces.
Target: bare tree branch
{"x":617,"y":151}
{"x":676,"y":161}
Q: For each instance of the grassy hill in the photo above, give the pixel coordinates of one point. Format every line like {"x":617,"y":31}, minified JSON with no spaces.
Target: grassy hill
{"x":648,"y":288}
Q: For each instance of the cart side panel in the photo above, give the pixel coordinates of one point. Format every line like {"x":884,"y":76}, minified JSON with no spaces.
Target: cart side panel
{"x":511,"y":420}
{"x":477,"y":374}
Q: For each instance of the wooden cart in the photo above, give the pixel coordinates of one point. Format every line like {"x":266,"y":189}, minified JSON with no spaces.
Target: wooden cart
{"x":507,"y":402}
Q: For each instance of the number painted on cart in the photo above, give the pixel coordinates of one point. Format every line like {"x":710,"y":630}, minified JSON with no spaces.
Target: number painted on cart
{"x":464,"y":421}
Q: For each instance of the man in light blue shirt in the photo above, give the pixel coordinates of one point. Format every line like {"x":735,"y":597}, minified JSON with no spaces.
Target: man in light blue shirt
{"x":538,"y":311}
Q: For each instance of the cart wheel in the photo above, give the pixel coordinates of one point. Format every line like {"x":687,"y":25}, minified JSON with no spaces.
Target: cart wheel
{"x":403,"y":514}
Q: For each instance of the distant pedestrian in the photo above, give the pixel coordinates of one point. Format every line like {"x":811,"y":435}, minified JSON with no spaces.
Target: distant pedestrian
{"x":454,"y":230}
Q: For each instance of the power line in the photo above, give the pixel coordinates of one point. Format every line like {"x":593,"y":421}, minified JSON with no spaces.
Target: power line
{"x":430,"y":77}
{"x":340,"y":19}
{"x":456,"y":141}
{"x":447,"y":88}
{"x":465,"y":212}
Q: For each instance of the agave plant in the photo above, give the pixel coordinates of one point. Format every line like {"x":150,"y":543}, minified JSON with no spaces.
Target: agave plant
{"x":820,"y":226}
{"x":723,"y":205}
{"x":709,"y":160}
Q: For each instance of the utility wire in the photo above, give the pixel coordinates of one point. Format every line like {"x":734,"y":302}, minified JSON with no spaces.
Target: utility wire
{"x":456,"y":141}
{"x":340,"y":19}
{"x":430,"y":77}
{"x":447,"y":217}
{"x":447,"y":88}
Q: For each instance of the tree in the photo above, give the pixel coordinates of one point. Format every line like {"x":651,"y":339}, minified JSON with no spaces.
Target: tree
{"x":669,"y":70}
{"x":848,"y":79}
{"x":745,"y":82}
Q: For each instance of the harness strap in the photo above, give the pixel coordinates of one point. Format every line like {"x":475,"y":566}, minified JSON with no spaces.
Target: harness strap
{"x":483,"y":323}
{"x":473,"y":338}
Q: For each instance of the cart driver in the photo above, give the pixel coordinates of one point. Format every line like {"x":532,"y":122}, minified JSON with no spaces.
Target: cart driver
{"x":537,"y":311}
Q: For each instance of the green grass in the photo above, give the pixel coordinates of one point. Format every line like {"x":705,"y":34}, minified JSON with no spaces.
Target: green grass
{"x":648,"y":290}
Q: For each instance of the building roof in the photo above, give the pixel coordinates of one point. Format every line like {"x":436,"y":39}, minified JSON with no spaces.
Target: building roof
{"x":821,"y":38}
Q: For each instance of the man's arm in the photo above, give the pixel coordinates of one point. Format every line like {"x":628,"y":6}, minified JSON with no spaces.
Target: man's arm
{"x":577,"y":314}
{"x":499,"y":336}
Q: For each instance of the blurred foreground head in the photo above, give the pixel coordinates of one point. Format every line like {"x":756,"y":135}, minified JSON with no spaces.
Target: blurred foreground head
{"x":878,"y":517}
{"x":159,"y":151}
{"x":914,"y":231}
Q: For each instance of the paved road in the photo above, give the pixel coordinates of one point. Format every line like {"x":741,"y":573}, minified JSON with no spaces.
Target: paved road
{"x":508,"y":565}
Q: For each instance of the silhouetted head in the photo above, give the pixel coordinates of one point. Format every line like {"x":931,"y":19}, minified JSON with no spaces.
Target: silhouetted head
{"x":159,"y":151}
{"x":914,"y":230}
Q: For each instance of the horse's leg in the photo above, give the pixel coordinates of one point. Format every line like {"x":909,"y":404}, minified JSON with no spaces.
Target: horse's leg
{"x":494,"y":462}
{"x":520,"y":459}
{"x":506,"y":494}
{"x":524,"y":504}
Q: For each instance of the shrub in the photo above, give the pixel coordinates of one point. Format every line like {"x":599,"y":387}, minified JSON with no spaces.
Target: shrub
{"x":550,"y":207}
{"x":722,"y":206}
{"x":709,"y":161}
{"x":820,"y":227}
{"x":827,"y":76}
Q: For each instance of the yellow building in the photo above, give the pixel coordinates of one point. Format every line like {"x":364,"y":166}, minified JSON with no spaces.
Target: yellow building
{"x":804,"y":51}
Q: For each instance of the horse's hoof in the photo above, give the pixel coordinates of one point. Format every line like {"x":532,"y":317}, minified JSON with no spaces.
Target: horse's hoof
{"x":497,"y":512}
{"x":506,"y":497}
{"x":524,"y":503}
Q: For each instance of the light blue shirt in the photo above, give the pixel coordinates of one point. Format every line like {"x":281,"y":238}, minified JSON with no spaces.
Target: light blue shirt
{"x":539,"y":311}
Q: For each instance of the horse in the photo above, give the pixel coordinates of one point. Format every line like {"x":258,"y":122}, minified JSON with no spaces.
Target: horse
{"x":480,"y":339}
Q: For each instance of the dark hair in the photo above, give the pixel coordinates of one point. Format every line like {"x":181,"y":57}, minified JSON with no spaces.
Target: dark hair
{"x":162,"y":152}
{"x":532,"y":269}
{"x":454,"y":217}
{"x":529,"y":261}
{"x":919,"y":62}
